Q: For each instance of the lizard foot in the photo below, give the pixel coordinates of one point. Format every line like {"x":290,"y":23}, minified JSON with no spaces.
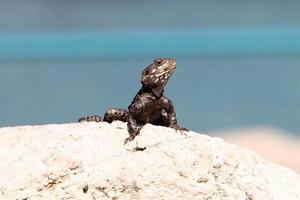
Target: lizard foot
{"x":132,"y":134}
{"x":181,"y":129}
{"x":129,"y":139}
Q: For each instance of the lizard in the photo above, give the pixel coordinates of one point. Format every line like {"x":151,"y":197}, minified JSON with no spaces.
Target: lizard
{"x":149,"y":105}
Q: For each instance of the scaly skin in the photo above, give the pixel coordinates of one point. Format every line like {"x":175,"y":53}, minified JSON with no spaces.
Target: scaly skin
{"x":149,"y":104}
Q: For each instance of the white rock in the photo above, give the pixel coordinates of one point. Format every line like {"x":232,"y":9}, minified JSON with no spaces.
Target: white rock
{"x":89,"y":161}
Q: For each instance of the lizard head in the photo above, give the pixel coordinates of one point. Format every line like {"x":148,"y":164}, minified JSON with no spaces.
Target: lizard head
{"x":158,"y":73}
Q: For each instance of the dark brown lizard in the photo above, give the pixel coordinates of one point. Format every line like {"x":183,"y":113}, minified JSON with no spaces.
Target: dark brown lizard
{"x":149,"y":104}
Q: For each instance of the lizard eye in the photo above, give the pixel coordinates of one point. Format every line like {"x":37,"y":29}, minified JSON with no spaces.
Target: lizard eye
{"x":158,"y":61}
{"x":146,"y":72}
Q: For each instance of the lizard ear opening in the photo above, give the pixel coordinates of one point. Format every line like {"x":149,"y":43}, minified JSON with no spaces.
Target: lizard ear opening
{"x":146,"y":72}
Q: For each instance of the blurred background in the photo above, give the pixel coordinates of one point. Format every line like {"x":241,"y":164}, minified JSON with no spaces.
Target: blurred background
{"x":237,"y":74}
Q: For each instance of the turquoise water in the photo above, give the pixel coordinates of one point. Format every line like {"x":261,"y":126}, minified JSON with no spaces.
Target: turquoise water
{"x":144,"y":43}
{"x":209,"y":93}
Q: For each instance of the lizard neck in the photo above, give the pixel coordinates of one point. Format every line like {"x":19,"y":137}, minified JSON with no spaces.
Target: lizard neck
{"x":157,"y":91}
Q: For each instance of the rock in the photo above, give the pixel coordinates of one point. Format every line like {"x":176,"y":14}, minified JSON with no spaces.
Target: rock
{"x":89,"y":161}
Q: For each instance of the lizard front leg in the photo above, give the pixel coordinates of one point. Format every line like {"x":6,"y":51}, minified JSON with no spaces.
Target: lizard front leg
{"x":171,"y":115}
{"x":133,"y":128}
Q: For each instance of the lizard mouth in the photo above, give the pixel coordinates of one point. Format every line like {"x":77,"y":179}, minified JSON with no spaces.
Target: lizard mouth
{"x":167,"y":71}
{"x":173,"y":64}
{"x":172,"y":67}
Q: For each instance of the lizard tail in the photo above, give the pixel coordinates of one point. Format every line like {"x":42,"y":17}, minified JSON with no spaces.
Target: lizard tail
{"x":115,"y":114}
{"x":93,"y":118}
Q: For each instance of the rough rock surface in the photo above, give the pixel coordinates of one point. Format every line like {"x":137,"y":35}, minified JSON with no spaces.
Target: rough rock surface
{"x":89,"y":161}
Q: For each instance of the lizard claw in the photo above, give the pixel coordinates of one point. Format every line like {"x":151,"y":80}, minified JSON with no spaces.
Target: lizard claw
{"x":129,"y":139}
{"x":182,"y":130}
{"x":132,"y":133}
